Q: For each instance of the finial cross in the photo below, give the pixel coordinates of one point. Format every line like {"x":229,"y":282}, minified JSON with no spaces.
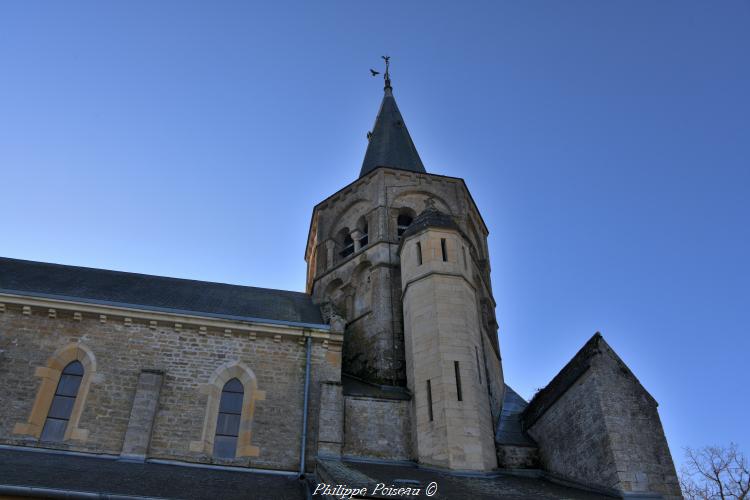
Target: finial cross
{"x":387,"y":75}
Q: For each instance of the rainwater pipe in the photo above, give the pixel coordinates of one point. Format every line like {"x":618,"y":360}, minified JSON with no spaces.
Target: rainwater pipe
{"x":303,"y":442}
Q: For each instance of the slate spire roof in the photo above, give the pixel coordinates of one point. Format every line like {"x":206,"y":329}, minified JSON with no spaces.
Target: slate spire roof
{"x":390,"y":144}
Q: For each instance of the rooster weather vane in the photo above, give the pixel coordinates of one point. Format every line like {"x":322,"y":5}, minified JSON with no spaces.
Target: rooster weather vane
{"x":387,"y":76}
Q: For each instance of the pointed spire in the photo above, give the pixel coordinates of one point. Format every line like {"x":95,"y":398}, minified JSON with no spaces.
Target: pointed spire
{"x":390,"y":144}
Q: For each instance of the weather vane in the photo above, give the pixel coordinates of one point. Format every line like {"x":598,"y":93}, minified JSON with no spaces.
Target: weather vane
{"x":387,"y":75}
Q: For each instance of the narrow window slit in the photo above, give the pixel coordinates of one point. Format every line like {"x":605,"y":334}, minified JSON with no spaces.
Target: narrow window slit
{"x":479,"y":370}
{"x":419,"y":254}
{"x":443,"y":249}
{"x":429,"y":399}
{"x":458,"y":381}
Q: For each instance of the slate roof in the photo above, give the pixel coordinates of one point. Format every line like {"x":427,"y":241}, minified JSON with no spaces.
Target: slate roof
{"x":510,"y":427}
{"x":390,"y":144}
{"x":354,"y":386}
{"x":430,"y":217}
{"x":86,"y":476}
{"x":571,"y":372}
{"x":157,"y":293}
{"x":450,"y":486}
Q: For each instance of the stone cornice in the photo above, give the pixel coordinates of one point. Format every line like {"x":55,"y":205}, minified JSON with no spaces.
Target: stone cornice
{"x":177,"y":320}
{"x":428,"y":274}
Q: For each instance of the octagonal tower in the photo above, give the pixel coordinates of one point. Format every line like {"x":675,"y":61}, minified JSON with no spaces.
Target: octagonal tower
{"x":354,"y":269}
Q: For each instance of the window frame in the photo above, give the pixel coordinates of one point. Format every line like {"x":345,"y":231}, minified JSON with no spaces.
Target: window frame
{"x":214,"y":388}
{"x":50,"y":375}
{"x":65,"y":395}
{"x":225,"y":410}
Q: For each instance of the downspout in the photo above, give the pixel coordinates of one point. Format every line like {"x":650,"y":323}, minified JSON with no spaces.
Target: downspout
{"x":303,"y":442}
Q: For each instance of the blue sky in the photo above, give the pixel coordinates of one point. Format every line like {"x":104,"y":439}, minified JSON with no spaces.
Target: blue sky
{"x":607,"y":145}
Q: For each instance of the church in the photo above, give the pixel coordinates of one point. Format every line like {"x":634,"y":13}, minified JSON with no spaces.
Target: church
{"x":387,"y":370}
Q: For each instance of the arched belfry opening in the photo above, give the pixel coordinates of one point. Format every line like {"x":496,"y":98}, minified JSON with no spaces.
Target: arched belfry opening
{"x":403,"y":220}
{"x":364,"y":229}
{"x":345,"y":243}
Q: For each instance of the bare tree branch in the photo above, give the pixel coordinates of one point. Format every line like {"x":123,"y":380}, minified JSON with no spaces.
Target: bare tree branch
{"x":715,"y":472}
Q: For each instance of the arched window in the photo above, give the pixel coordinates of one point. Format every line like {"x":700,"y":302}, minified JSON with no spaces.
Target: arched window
{"x":79,"y":365}
{"x":348,"y":246}
{"x":403,"y":221}
{"x":228,"y":423}
{"x":364,"y":239}
{"x":62,"y":403}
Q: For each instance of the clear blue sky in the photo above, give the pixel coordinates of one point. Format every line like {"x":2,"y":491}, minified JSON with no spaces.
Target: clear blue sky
{"x":607,"y":145}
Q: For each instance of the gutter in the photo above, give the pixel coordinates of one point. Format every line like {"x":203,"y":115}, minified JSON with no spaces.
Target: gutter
{"x":303,"y":441}
{"x":118,"y":458}
{"x":31,"y":491}
{"x":157,"y":309}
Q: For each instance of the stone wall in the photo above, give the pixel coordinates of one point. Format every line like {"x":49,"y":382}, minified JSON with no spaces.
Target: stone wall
{"x":595,"y":423}
{"x":377,"y":428}
{"x":443,"y":341}
{"x":517,"y":457}
{"x":365,"y":285}
{"x":189,"y":356}
{"x":493,"y":377}
{"x":572,"y":438}
{"x":141,"y":423}
{"x":331,"y":420}
{"x":641,"y":453}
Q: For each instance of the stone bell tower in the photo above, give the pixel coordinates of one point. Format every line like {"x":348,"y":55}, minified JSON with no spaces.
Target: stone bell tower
{"x":355,"y":270}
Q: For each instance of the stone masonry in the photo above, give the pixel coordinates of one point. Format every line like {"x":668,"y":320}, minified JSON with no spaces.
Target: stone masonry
{"x":364,"y":286}
{"x":141,"y":421}
{"x":188,"y":355}
{"x":595,"y":423}
{"x":377,"y":428}
{"x":454,"y":427}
